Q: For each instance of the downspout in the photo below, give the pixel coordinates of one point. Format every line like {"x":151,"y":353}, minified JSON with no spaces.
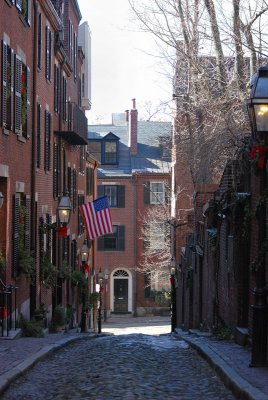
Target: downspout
{"x":33,"y":166}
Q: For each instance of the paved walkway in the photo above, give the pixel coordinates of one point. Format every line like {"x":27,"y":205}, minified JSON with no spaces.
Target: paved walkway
{"x":229,"y":359}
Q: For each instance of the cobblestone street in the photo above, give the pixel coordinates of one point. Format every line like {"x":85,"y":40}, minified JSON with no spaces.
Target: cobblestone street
{"x":122,"y":364}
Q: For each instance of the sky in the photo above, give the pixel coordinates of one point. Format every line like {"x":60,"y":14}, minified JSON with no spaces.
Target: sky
{"x":122,"y":67}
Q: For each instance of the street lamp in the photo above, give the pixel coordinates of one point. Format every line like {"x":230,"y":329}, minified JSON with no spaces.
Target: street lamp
{"x":258,"y":115}
{"x":172,"y":271}
{"x":64,"y":209}
{"x":84,"y":256}
{"x":1,"y":199}
{"x":106,"y":277}
{"x":100,"y":281}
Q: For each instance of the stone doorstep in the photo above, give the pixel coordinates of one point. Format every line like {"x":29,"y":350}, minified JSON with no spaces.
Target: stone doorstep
{"x":241,"y":336}
{"x":12,"y":334}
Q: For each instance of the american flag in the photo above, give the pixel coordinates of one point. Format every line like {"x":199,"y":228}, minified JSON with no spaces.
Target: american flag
{"x":97,"y":217}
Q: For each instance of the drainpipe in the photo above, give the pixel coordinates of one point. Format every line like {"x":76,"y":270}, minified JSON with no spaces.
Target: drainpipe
{"x":33,"y":164}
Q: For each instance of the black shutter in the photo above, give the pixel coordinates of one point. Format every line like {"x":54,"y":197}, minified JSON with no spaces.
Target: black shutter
{"x":38,"y":136}
{"x":74,"y":189}
{"x":16,"y":204}
{"x":39,"y":48}
{"x":70,"y":183}
{"x":28,"y":101}
{"x":29,"y":12}
{"x":17,"y":116}
{"x":121,"y":237}
{"x":4,"y":83}
{"x":47,"y":140}
{"x":48,"y":53}
{"x":147,"y":287}
{"x":10,"y":114}
{"x":121,"y":196}
{"x":101,"y":243}
{"x":101,"y":190}
{"x":27,"y":229}
{"x":146,"y":193}
{"x":56,"y":171}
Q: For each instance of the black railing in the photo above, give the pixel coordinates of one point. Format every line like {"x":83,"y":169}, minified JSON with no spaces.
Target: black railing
{"x":8,"y":294}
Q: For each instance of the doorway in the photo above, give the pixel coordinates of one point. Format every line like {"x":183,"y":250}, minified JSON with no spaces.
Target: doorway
{"x":120,"y":295}
{"x":121,"y":291}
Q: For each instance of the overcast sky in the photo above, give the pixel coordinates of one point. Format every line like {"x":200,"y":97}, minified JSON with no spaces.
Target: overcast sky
{"x":121,"y":67}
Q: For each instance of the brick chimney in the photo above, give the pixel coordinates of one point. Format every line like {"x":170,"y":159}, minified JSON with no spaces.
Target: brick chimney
{"x":133,"y":129}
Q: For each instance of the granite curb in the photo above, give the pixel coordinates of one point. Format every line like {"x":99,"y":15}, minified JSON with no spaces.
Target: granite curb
{"x":10,"y":376}
{"x":231,"y":378}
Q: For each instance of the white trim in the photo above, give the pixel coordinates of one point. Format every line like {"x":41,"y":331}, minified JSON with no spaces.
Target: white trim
{"x":130,"y":287}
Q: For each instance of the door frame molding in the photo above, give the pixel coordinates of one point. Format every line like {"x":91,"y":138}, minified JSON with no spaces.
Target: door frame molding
{"x":130,"y":287}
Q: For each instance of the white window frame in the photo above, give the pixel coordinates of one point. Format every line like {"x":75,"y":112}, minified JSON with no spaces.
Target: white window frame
{"x":156,"y":196}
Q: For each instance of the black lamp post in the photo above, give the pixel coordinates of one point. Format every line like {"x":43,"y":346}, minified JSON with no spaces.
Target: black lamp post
{"x":173,"y":307}
{"x":84,"y":257}
{"x":106,"y":277}
{"x":258,"y":114}
{"x":100,"y":281}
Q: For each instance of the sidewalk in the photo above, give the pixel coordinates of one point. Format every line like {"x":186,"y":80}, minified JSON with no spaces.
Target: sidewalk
{"x":230,"y":360}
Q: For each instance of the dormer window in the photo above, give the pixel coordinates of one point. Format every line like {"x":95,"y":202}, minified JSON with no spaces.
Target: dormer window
{"x":105,"y":150}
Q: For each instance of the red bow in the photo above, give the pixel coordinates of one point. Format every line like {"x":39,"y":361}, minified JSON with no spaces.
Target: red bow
{"x":62,"y":231}
{"x":86,"y":269}
{"x":261,"y":150}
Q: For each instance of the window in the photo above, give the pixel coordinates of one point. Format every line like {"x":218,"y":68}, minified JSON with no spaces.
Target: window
{"x":25,"y":8}
{"x":56,"y":171}
{"x":115,"y":194}
{"x":47,"y":143}
{"x":64,"y":98}
{"x":70,"y":34}
{"x":113,"y":241}
{"x":81,"y":200}
{"x":48,"y":53}
{"x":38,"y":136}
{"x":56,"y":89}
{"x":157,"y":193}
{"x":21,"y":228}
{"x":110,"y":152}
{"x":154,"y":192}
{"x":22,"y":98}
{"x":105,"y":150}
{"x":156,"y":235}
{"x":75,"y":55}
{"x":82,"y":159}
{"x":7,"y":86}
{"x":95,"y":149}
{"x":89,"y":181}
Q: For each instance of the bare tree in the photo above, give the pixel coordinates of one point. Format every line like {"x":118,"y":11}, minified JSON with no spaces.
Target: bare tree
{"x":213,"y":47}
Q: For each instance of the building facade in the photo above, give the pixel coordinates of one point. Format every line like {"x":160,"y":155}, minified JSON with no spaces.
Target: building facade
{"x":134,"y":173}
{"x":43,"y":155}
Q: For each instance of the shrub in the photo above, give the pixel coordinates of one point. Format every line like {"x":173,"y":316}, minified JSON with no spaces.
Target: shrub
{"x":30,"y":328}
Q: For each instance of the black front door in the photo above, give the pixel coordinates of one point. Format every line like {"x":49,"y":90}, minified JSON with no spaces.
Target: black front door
{"x":121,"y":295}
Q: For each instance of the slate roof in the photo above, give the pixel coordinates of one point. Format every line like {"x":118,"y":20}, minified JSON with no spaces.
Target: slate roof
{"x":149,"y":157}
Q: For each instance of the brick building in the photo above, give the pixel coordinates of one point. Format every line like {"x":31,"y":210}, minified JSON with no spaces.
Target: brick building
{"x":134,"y":172}
{"x":43,"y":152}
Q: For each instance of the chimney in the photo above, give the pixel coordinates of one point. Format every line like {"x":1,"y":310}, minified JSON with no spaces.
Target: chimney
{"x":133,"y":129}
{"x":127,"y":115}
